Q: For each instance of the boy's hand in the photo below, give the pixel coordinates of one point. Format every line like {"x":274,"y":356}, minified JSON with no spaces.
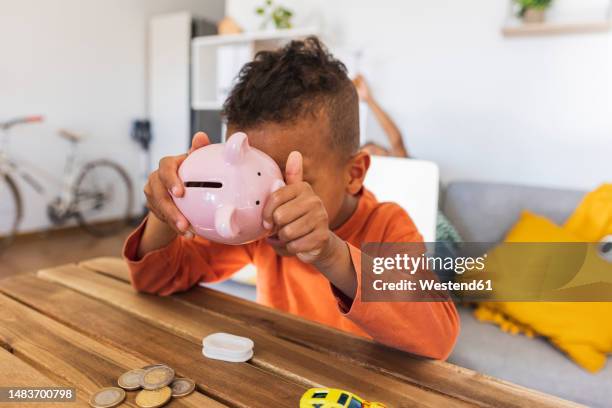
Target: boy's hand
{"x":301,"y":220}
{"x":299,"y":215}
{"x":165,"y":181}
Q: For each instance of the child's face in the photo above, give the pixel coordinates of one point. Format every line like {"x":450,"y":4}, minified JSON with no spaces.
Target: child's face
{"x":326,"y":172}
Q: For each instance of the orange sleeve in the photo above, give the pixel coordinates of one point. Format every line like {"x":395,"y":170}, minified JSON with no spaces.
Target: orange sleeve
{"x":429,"y":329}
{"x":182,"y":263}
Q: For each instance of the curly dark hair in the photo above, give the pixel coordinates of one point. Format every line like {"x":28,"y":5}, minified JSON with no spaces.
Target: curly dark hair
{"x":284,"y":85}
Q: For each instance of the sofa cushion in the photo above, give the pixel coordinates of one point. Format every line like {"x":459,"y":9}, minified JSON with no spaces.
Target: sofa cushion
{"x":529,"y":362}
{"x":484,"y":212}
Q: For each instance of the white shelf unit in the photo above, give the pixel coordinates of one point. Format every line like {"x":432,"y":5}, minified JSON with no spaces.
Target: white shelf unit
{"x":217,"y":59}
{"x":169,"y":38}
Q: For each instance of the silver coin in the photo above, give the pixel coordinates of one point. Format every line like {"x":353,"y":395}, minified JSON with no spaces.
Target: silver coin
{"x":107,"y":398}
{"x":156,"y":377}
{"x":130,"y":380}
{"x":182,"y":387}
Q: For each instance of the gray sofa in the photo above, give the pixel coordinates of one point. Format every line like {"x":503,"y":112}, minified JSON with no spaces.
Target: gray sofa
{"x":483,"y":212}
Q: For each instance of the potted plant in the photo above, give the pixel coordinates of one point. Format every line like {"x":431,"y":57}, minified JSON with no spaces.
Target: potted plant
{"x":533,"y":11}
{"x":279,"y":15}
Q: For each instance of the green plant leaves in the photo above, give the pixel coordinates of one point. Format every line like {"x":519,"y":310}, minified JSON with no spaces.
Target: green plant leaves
{"x":279,"y":15}
{"x":525,"y":5}
{"x":537,"y":4}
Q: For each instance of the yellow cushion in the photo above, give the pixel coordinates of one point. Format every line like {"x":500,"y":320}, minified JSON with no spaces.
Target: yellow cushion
{"x":535,"y":228}
{"x":592,"y":220}
{"x":583,"y":330}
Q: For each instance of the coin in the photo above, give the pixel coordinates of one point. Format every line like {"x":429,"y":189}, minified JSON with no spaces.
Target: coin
{"x":107,"y":397}
{"x":130,"y":380}
{"x":182,"y":387}
{"x":156,"y":377}
{"x":153,"y":365}
{"x":153,"y":398}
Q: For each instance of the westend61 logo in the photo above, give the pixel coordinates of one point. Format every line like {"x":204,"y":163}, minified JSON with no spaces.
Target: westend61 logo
{"x":518,"y":271}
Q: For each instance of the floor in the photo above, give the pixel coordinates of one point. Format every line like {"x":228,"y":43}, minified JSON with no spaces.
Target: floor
{"x":37,"y":251}
{"x":32,"y":252}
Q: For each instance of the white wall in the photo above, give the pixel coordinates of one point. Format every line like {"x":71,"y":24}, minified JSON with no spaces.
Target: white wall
{"x":484,"y":107}
{"x":82,"y":64}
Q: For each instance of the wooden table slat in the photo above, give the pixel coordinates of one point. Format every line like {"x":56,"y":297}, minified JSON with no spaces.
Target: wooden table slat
{"x":15,"y":372}
{"x":440,"y":376}
{"x":122,"y":331}
{"x":294,"y":362}
{"x":75,"y":358}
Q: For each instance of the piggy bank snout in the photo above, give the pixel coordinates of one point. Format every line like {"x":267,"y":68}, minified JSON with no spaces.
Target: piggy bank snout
{"x":226,"y":223}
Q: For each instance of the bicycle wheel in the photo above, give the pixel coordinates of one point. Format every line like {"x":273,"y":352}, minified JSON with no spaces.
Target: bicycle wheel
{"x":10,"y":210}
{"x":103,"y":198}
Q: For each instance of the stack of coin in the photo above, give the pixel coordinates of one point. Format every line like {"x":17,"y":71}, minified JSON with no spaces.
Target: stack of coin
{"x":157,"y":384}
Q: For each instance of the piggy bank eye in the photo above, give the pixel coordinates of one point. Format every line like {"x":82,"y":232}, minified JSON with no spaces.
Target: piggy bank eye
{"x":259,"y":173}
{"x":257,"y":202}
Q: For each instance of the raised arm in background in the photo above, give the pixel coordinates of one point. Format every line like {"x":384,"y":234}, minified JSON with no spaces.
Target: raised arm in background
{"x":390,"y":128}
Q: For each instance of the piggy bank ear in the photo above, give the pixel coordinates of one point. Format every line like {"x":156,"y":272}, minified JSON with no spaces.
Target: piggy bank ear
{"x":236,"y":147}
{"x":225,"y":221}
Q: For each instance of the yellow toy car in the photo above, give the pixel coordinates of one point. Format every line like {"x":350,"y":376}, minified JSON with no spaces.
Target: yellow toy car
{"x":334,"y":398}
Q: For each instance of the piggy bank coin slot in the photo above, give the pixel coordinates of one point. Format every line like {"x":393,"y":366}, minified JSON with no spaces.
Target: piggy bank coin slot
{"x":204,"y":184}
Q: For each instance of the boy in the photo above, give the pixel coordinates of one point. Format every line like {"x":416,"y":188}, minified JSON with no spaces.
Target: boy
{"x":298,"y":105}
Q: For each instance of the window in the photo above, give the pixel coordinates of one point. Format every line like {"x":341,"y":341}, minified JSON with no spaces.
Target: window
{"x":319,"y":395}
{"x":354,"y":404}
{"x":343,"y":398}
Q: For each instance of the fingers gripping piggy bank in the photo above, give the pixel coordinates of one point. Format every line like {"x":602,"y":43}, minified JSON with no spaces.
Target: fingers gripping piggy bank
{"x":226,"y":188}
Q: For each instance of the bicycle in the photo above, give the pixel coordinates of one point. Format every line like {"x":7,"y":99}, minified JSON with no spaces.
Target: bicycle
{"x":98,"y":194}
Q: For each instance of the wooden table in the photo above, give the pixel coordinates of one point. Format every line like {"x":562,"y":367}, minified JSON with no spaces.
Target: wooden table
{"x":83,"y":325}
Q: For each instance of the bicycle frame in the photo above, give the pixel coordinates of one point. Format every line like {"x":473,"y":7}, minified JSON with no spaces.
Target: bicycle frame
{"x":80,"y":195}
{"x":66,"y":196}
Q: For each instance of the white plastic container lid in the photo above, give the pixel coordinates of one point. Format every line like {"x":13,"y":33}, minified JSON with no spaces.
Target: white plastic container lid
{"x":232,"y":358}
{"x":227,"y":347}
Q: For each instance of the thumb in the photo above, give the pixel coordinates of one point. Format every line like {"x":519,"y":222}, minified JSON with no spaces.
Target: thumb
{"x":293,"y":169}
{"x":200,"y":139}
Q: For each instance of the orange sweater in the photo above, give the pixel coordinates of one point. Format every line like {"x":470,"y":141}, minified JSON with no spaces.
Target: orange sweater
{"x":424,"y":328}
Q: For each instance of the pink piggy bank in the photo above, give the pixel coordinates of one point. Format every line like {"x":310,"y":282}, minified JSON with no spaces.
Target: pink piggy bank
{"x":226,"y":188}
